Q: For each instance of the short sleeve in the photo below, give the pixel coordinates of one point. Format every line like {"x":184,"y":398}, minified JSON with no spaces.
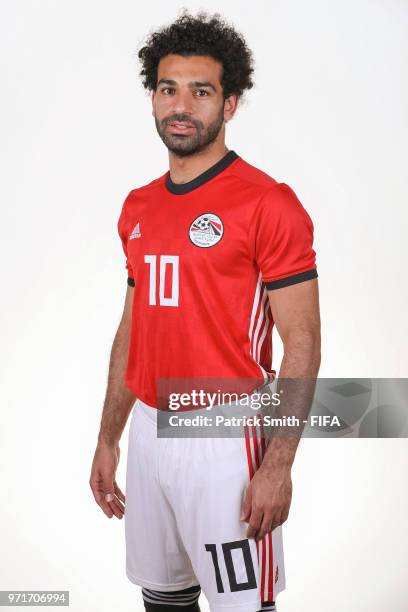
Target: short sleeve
{"x":124,"y":231}
{"x":281,"y":239}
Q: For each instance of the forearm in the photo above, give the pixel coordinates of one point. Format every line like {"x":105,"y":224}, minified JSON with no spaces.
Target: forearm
{"x":119,"y":399}
{"x":297,"y":376}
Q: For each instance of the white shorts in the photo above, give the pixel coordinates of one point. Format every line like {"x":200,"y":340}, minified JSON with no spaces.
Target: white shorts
{"x":182,"y":517}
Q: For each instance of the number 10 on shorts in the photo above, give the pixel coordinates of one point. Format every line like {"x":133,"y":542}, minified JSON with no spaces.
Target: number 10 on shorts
{"x":226,"y":557}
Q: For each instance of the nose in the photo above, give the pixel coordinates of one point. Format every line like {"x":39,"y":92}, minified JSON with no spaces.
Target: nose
{"x":181,"y":102}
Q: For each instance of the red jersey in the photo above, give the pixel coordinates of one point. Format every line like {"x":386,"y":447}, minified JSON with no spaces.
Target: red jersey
{"x":201,"y":257}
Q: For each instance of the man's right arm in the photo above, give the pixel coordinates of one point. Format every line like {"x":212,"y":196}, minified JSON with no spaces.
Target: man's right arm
{"x":119,"y":399}
{"x":117,"y":406}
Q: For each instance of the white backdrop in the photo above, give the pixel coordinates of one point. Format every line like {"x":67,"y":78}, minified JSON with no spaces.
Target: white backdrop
{"x":328,"y":117}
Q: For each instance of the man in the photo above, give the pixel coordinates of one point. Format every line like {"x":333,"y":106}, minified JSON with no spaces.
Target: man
{"x":217,"y":252}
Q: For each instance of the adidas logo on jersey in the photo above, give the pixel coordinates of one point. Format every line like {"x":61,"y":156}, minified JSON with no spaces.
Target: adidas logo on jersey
{"x":135,"y":232}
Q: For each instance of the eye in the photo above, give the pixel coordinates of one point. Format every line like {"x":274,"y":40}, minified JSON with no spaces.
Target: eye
{"x":167,"y":90}
{"x":201,"y":93}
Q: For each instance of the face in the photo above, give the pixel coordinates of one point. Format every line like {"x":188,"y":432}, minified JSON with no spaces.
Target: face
{"x":188,"y":105}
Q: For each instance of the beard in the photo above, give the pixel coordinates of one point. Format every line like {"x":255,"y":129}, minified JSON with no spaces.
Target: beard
{"x":184,"y":145}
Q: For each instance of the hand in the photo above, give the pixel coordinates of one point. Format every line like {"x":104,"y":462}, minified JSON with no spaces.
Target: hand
{"x":102,"y":481}
{"x":267,"y":501}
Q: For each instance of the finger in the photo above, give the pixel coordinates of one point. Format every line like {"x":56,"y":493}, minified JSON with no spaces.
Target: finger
{"x":100,"y":499}
{"x":254,"y":522}
{"x":121,"y":510}
{"x":106,"y":508}
{"x":116,"y":508}
{"x":119,"y":492}
{"x":266,"y":527}
{"x":278,"y":519}
{"x":107,"y":483}
{"x":246,"y":506}
{"x":284,"y":517}
{"x":108,"y":489}
{"x":118,"y":503}
{"x":96,"y":486}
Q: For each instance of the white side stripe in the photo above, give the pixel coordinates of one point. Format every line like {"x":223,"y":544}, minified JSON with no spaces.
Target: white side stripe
{"x":265,"y":329}
{"x":255,"y":308}
{"x":253,"y":335}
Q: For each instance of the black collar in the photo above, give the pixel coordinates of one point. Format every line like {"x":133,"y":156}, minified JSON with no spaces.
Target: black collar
{"x":182,"y":188}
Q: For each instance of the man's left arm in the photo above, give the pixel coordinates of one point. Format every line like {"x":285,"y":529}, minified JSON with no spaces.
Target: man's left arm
{"x":295,"y":310}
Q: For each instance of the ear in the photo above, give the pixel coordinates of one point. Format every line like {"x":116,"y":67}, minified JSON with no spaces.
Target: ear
{"x":153,"y":96}
{"x":230,"y":106}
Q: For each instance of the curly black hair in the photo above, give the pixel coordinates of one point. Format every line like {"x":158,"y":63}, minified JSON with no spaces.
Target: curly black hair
{"x":202,"y":34}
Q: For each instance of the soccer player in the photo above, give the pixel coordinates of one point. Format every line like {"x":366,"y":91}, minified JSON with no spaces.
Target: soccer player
{"x":217,"y":253}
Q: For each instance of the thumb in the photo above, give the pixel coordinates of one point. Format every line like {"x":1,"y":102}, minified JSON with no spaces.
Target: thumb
{"x":247,"y":505}
{"x":108,"y":486}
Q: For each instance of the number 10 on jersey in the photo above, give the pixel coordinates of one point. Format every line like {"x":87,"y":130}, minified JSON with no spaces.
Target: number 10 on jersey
{"x":164,"y":262}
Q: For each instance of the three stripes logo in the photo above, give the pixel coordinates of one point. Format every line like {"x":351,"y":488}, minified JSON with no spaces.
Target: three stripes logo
{"x":136,"y":233}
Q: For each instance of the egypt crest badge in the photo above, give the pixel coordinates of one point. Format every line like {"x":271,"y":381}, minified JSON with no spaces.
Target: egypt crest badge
{"x":206,"y":230}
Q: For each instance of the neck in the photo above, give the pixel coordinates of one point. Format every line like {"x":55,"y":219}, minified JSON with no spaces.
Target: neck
{"x":185,"y":169}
